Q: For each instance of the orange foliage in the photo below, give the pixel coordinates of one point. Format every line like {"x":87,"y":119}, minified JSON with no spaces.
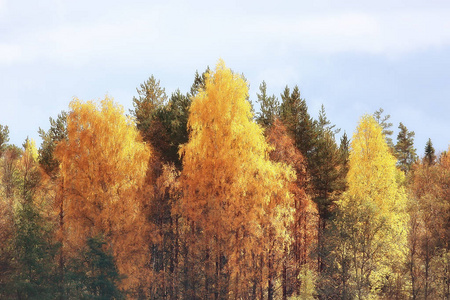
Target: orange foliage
{"x":305,"y":219}
{"x":234,"y":196}
{"x":103,"y":165}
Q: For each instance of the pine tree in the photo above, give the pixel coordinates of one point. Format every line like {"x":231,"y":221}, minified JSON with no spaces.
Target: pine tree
{"x":344,"y":148}
{"x":269,"y":107}
{"x":50,"y":165}
{"x":383,"y":121}
{"x":4,"y":138}
{"x":294,"y":114}
{"x":325,"y":163}
{"x":148,"y":113}
{"x":404,"y":149}
{"x":93,"y":274}
{"x":199,"y":83}
{"x":430,"y":156}
{"x":33,"y":248}
{"x":50,"y":138}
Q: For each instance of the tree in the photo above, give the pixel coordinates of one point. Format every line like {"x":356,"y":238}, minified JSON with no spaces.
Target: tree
{"x":296,"y":262}
{"x":174,"y":117}
{"x":372,"y":217}
{"x":294,"y":115}
{"x":404,"y":149}
{"x":327,"y":177}
{"x":148,"y":107}
{"x":32,"y":243}
{"x":94,"y":274}
{"x":235,"y":200}
{"x":429,"y":188}
{"x":383,"y":121}
{"x":103,"y":166}
{"x":162,"y":122}
{"x":4,"y":138}
{"x":344,"y":149}
{"x":430,"y":155}
{"x":50,"y":165}
{"x":56,"y":133}
{"x":269,"y":107}
{"x":8,"y":166}
{"x":199,"y":83}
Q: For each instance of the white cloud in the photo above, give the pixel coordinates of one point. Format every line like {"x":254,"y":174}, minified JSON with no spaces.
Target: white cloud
{"x":377,"y":33}
{"x":174,"y":33}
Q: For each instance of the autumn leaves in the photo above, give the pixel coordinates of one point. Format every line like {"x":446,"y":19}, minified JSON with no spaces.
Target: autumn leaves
{"x":245,"y":210}
{"x":236,"y":201}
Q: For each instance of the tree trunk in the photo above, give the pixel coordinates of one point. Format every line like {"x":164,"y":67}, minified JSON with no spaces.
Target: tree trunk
{"x":270,"y":288}
{"x":285,"y":273}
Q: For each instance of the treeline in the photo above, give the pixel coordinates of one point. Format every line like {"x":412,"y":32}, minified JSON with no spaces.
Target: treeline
{"x":194,"y":196}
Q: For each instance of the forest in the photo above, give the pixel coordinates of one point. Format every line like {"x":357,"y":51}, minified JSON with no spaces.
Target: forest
{"x":199,"y":196}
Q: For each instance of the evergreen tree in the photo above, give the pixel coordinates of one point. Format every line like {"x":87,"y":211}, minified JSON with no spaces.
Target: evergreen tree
{"x":50,"y":165}
{"x":148,"y":112}
{"x":94,"y":274}
{"x":316,"y":141}
{"x":33,"y":249}
{"x":4,"y":138}
{"x":430,"y":156}
{"x":344,"y":147}
{"x":269,"y":107}
{"x":56,"y":133}
{"x":294,"y":115}
{"x":325,"y":164}
{"x":404,"y":149}
{"x":383,"y":121}
{"x":8,"y":167}
{"x":199,"y":82}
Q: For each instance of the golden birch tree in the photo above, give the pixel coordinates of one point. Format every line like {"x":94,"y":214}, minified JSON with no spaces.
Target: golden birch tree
{"x":372,"y":216}
{"x":234,"y":196}
{"x":103,"y":164}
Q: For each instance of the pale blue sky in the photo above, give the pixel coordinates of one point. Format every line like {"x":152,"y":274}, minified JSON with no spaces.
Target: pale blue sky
{"x":352,"y":56}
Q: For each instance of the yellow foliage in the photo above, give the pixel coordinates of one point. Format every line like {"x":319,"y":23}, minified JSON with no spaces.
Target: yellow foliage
{"x":232,"y":191}
{"x":374,"y":206}
{"x":103,"y":165}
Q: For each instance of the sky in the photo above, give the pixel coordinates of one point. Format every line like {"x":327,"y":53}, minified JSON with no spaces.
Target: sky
{"x":353,"y":57}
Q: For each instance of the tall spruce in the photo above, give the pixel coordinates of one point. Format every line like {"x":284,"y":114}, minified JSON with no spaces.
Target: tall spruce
{"x":33,"y":247}
{"x":325,"y":164}
{"x":50,"y":138}
{"x":383,"y":121}
{"x":148,"y":113}
{"x":430,"y":155}
{"x":93,"y":274}
{"x":316,"y":142}
{"x":404,"y":149}
{"x":269,"y":107}
{"x":294,"y":115}
{"x":4,"y":137}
